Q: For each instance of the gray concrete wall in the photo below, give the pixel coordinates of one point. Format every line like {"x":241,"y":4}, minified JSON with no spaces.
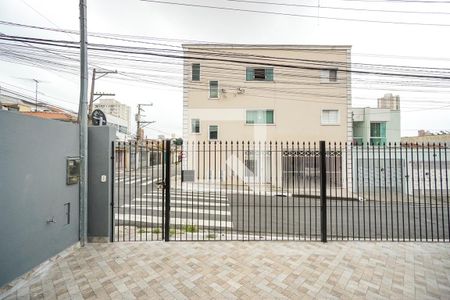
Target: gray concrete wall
{"x":33,"y":189}
{"x":99,"y":193}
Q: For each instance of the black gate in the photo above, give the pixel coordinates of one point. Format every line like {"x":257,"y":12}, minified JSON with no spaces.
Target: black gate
{"x":279,"y":191}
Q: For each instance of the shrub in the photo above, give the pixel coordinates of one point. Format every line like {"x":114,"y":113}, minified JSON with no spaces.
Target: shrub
{"x":191,"y":228}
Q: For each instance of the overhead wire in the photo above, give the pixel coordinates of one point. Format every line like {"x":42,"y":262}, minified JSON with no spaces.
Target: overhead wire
{"x":287,"y":14}
{"x":140,"y":53}
{"x":145,"y":39}
{"x":284,"y":4}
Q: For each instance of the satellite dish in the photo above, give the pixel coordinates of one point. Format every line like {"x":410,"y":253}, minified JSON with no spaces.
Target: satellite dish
{"x":98,"y":118}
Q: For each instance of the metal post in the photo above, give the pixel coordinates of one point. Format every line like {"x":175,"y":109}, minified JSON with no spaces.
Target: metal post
{"x":82,"y":118}
{"x":113,"y":164}
{"x":167,"y":191}
{"x":323,"y":192}
{"x":139,"y":122}
{"x":138,"y":127}
{"x":93,"y":93}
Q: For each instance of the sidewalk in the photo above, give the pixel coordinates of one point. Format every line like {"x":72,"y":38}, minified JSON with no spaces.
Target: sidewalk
{"x":248,"y":270}
{"x":250,"y":188}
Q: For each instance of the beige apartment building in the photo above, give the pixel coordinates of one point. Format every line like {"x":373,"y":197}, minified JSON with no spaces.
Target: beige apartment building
{"x":265,"y":93}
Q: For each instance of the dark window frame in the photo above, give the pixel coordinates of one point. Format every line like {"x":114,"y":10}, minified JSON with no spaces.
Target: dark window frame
{"x":210,"y":89}
{"x":197,"y":126}
{"x":216,"y":132}
{"x":195,"y":72}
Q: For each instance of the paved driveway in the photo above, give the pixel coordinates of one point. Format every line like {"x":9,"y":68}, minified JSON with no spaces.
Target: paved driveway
{"x":249,"y":270}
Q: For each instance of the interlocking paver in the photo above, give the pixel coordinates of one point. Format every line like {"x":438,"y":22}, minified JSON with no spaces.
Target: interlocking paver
{"x":234,"y":270}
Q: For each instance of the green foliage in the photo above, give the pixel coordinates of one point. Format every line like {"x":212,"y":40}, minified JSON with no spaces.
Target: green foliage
{"x":191,"y":228}
{"x":174,"y":231}
{"x":142,"y":230}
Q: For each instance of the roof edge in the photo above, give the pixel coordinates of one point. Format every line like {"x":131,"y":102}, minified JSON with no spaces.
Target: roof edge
{"x":265,"y":46}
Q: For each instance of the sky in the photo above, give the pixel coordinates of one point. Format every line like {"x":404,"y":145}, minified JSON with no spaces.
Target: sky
{"x":372,"y":43}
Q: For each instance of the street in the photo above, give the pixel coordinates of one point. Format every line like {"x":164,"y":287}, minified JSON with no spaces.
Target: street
{"x":249,"y":215}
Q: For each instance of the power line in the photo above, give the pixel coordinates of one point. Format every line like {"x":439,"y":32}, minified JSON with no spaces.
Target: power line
{"x":316,"y":77}
{"x":403,"y":1}
{"x":153,"y":52}
{"x":144,"y":39}
{"x":338,"y":8}
{"x":30,"y":99}
{"x":166,"y":83}
{"x":156,"y":82}
{"x":293,"y":14}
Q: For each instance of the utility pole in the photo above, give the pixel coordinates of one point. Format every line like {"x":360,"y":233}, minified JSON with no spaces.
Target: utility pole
{"x":139,"y":122}
{"x":83,"y":123}
{"x":91,"y":98}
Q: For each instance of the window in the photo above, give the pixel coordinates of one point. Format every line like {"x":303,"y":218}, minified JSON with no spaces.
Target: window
{"x":330,"y":117}
{"x":213,"y":132}
{"x":259,"y":74}
{"x":332,"y":75}
{"x":123,"y":129}
{"x":358,"y":141}
{"x":328,"y":75}
{"x":377,"y":133}
{"x":213,"y":89}
{"x":259,"y":117}
{"x":195,"y":72}
{"x":195,"y":123}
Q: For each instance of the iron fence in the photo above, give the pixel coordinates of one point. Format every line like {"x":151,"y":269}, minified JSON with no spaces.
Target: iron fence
{"x":280,"y":191}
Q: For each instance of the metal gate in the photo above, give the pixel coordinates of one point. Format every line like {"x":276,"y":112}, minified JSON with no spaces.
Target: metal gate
{"x":199,"y":191}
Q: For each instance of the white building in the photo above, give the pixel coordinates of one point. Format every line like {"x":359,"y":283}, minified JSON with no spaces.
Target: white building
{"x":376,"y":126}
{"x":122,"y":129}
{"x":117,"y":115}
{"x":116,"y":109}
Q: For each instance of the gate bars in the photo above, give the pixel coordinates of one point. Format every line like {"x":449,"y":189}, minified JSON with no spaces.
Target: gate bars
{"x":217,"y":190}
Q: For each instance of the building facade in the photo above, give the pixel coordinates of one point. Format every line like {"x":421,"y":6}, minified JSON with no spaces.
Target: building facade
{"x":265,"y":93}
{"x":376,"y":126}
{"x":117,"y":115}
{"x":429,"y":138}
{"x":389,"y":101}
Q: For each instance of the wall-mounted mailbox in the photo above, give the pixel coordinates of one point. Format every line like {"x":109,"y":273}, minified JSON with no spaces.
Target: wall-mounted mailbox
{"x":72,"y":170}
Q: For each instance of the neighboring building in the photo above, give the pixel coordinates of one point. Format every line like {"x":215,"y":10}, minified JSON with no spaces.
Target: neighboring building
{"x":117,"y":115}
{"x":235,"y":92}
{"x":121,"y":125}
{"x":10,"y":102}
{"x":116,"y":109}
{"x":389,"y":101}
{"x":266,"y":93}
{"x":426,"y":137}
{"x":376,"y":126}
{"x":44,"y":110}
{"x":52,"y":115}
